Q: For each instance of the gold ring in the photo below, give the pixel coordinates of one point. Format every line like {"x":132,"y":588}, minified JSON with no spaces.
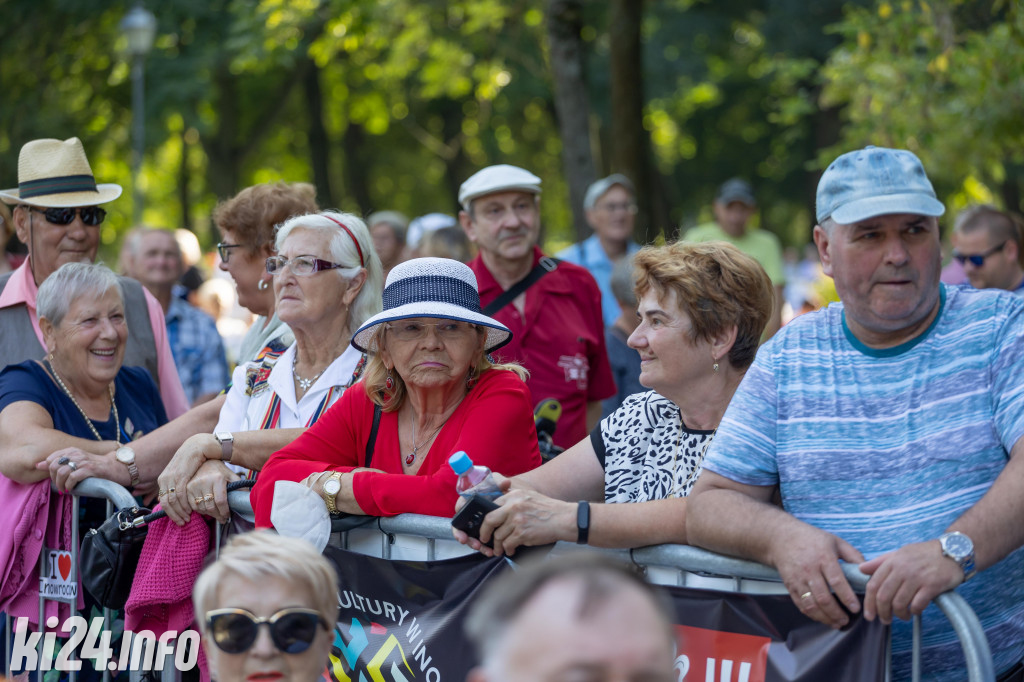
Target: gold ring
{"x":208,"y":496}
{"x":161,"y":493}
{"x":805,"y":595}
{"x":197,"y":500}
{"x":170,"y":491}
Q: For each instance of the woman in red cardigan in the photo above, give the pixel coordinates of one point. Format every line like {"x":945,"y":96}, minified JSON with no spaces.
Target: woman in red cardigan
{"x":432,"y":391}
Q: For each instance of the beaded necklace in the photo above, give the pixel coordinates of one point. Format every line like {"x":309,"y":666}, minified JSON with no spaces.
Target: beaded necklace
{"x":88,"y":422}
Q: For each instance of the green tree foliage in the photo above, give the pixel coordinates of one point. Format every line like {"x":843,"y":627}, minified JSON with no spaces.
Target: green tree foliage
{"x":942,"y":79}
{"x":392,"y":103}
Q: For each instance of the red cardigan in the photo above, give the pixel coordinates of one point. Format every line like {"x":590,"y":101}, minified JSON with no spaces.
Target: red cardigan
{"x":493,"y":424}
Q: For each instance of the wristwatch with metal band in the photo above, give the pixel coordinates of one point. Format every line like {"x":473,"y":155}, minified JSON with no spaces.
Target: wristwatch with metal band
{"x":126,"y":456}
{"x":332,"y":486}
{"x":227,"y":444}
{"x":960,"y":549}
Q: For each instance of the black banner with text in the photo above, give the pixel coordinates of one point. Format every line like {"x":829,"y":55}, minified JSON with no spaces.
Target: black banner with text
{"x":402,"y":620}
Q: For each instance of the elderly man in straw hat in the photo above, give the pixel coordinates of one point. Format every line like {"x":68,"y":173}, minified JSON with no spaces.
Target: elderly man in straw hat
{"x":57,"y":215}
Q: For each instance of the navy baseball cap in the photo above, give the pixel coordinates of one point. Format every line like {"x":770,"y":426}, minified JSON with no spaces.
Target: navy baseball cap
{"x":875,"y":181}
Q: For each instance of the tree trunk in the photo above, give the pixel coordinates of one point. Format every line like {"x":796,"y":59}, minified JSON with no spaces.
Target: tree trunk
{"x":630,"y":147}
{"x":183,"y":183}
{"x":319,"y":144}
{"x":564,"y":24}
{"x":353,"y":144}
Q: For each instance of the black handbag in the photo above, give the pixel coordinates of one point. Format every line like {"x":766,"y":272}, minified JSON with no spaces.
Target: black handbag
{"x":109,"y":555}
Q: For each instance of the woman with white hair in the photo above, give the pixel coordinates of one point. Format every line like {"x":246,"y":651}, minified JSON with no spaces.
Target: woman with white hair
{"x":80,"y":390}
{"x":262,"y":578}
{"x":327,"y":282}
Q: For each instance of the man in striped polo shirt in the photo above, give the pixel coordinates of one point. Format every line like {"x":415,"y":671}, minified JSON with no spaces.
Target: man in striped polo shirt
{"x":891,"y":424}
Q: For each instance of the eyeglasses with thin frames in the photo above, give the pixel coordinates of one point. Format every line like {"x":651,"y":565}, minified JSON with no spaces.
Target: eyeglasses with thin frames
{"x":977,"y":259}
{"x":302,"y":266}
{"x":91,"y":215}
{"x":447,"y":330}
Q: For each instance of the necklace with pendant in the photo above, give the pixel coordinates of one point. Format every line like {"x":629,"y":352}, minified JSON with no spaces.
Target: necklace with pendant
{"x":304,"y":384}
{"x":411,"y":457}
{"x":88,"y":422}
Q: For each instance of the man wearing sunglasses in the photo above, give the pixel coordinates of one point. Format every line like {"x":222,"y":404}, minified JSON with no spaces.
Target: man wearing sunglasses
{"x":891,"y":427}
{"x":988,"y":246}
{"x":57,"y":214}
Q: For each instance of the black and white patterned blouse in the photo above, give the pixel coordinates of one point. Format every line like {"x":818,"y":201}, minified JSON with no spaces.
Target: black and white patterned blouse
{"x":646,"y":451}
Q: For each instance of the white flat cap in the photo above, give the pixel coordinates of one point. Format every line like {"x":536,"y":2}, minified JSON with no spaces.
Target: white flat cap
{"x":500,"y":178}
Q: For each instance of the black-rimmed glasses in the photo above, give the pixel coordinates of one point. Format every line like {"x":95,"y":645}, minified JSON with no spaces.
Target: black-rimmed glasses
{"x":91,"y":215}
{"x":977,"y":259}
{"x":224,"y":250}
{"x":301,"y":266}
{"x":292,"y":630}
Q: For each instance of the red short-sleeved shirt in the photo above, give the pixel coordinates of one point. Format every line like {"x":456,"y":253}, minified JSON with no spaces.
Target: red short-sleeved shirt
{"x":493,"y":424}
{"x":559,"y":338}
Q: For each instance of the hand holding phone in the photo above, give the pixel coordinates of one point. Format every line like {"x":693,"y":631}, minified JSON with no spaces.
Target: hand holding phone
{"x":471,"y":516}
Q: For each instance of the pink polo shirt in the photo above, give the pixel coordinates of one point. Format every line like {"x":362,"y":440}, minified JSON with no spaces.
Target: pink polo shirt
{"x":21,"y":289}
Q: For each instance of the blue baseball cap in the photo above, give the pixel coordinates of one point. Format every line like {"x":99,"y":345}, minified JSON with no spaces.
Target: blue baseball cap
{"x":875,"y":181}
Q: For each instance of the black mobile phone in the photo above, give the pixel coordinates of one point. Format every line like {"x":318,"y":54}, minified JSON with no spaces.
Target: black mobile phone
{"x":471,"y":516}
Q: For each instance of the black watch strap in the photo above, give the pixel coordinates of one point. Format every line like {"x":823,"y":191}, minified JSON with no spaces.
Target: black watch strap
{"x":582,"y":522}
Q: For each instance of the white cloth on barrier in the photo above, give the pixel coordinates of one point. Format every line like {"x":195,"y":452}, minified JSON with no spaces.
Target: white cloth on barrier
{"x":298,"y":512}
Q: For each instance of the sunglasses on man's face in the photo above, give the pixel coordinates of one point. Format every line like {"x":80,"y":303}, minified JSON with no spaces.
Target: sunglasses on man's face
{"x":91,"y":215}
{"x":977,"y":259}
{"x":293,"y":630}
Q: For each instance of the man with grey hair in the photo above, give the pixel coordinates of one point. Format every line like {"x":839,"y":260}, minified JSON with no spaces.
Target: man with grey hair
{"x":891,"y":425}
{"x":57,"y":214}
{"x":553,"y":308}
{"x":988,"y":246}
{"x":577,"y":616}
{"x":195,"y":342}
{"x":610,"y":206}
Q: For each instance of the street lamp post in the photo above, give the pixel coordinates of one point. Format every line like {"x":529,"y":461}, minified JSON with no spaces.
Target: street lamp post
{"x":139,"y":27}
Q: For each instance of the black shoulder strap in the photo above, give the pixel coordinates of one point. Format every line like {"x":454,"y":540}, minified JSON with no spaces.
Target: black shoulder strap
{"x":373,"y":435}
{"x":543,"y":267}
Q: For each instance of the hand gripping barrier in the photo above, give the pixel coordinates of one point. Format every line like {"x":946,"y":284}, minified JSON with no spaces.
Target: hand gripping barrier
{"x":431,"y":536}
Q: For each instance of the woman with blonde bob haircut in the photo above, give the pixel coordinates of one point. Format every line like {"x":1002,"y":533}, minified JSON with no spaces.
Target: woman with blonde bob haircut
{"x":702,"y":308}
{"x":262,"y":578}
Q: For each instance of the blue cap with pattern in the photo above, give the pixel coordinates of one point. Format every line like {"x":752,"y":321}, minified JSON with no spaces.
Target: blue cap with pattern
{"x":875,"y":181}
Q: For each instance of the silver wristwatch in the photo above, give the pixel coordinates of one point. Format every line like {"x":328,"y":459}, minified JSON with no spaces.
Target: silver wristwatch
{"x":227,"y":444}
{"x":960,"y":549}
{"x":125,"y":455}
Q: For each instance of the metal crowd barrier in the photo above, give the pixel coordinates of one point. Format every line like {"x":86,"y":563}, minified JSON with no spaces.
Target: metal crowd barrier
{"x":412,"y":536}
{"x":678,"y":565}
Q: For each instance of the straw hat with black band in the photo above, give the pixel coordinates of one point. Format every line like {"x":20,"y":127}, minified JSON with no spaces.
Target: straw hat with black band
{"x":431,"y":287}
{"x":53,"y":174}
{"x":57,"y":174}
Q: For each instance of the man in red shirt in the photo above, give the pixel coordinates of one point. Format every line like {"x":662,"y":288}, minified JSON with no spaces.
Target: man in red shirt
{"x":557,"y":329}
